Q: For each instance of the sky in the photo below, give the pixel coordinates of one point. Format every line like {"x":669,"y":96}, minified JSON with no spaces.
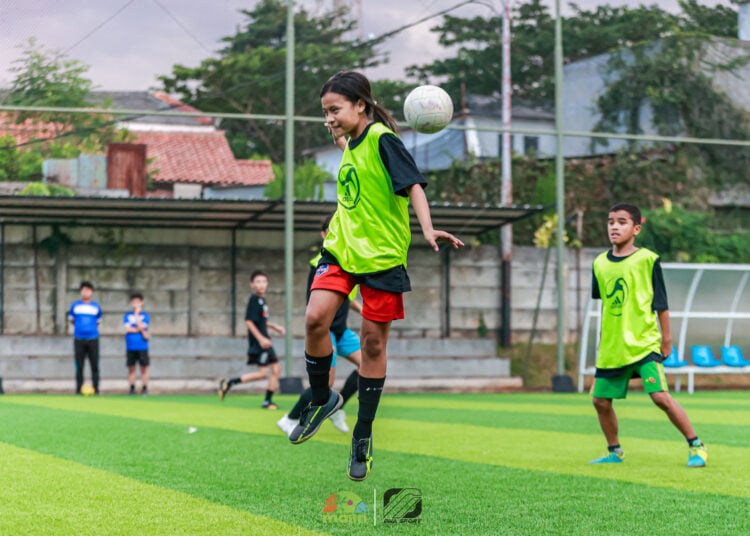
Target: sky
{"x":127,"y":44}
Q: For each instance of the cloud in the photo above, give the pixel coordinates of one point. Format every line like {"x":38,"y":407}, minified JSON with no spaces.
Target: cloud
{"x":143,"y":41}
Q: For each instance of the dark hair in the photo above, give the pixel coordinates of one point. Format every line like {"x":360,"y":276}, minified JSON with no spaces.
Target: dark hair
{"x":86,"y":284}
{"x":135,"y":295}
{"x":632,"y":210}
{"x":256,"y":273}
{"x":355,"y":86}
{"x":326,"y":222}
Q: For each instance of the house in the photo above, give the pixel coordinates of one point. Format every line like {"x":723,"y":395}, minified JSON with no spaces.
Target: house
{"x":438,"y":151}
{"x":584,"y":82}
{"x":185,"y":156}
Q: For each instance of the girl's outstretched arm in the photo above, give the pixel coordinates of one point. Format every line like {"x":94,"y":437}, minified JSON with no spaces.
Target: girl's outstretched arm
{"x":422,"y":210}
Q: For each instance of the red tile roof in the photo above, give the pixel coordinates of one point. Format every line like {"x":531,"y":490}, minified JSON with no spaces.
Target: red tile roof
{"x":199,"y":157}
{"x":28,"y":130}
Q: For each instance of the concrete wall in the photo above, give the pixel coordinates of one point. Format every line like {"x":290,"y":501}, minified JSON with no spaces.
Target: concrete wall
{"x":186,"y":278}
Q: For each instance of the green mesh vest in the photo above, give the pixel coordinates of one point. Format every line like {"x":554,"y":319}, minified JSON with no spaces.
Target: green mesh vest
{"x":629,"y":326}
{"x":370,"y":230}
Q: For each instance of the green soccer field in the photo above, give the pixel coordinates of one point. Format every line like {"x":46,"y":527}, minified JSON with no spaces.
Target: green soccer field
{"x":477,"y":464}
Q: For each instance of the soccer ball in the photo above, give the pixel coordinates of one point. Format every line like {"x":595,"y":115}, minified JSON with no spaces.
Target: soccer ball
{"x":87,"y":389}
{"x":428,"y":109}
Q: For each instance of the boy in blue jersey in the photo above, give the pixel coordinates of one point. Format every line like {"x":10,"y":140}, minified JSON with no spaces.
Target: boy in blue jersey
{"x":136,"y":342}
{"x":635,"y":333}
{"x":85,"y":315}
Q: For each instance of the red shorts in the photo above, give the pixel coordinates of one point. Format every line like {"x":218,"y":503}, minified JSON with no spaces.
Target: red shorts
{"x":377,"y":305}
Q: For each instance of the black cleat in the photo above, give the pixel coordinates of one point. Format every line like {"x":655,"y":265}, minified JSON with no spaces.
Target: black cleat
{"x":313,"y":416}
{"x":360,"y":459}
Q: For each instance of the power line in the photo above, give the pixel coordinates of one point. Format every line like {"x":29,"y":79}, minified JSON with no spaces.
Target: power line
{"x":181,"y":25}
{"x":98,"y":26}
{"x":219,"y":94}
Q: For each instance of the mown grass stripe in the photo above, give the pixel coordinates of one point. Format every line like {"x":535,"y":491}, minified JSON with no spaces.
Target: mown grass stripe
{"x":273,"y":478}
{"x":729,"y":435}
{"x":558,"y":452}
{"x":624,"y":410}
{"x":43,"y":494}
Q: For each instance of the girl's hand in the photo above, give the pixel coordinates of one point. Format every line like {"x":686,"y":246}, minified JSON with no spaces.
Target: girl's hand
{"x":435,"y":236}
{"x":340,"y":142}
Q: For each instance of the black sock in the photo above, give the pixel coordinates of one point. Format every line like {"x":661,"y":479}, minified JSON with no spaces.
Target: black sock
{"x":612,"y":448}
{"x":690,"y":441}
{"x":302,"y":402}
{"x":269,"y":395}
{"x":350,"y":386}
{"x":369,"y":398}
{"x":234,"y":381}
{"x":132,"y":388}
{"x":318,"y":371}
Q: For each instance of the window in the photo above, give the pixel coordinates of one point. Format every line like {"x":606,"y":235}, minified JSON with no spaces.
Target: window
{"x":530,"y":144}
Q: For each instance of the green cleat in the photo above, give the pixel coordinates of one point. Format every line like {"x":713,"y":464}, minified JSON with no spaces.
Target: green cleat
{"x":611,"y":457}
{"x":698,"y":455}
{"x":360,"y":459}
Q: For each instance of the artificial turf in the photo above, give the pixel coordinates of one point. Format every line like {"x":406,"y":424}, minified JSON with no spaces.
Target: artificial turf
{"x":483,"y":464}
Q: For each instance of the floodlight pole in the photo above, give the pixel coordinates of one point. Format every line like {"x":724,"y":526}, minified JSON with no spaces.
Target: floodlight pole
{"x":289,"y":191}
{"x":560,"y":382}
{"x":506,"y":185}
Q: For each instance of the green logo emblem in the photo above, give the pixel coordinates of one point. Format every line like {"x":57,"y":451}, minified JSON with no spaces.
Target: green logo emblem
{"x":348,"y":190}
{"x":617,"y":295}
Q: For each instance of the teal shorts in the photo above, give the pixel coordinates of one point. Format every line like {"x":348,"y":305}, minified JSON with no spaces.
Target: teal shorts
{"x":345,"y":346}
{"x":652,"y":374}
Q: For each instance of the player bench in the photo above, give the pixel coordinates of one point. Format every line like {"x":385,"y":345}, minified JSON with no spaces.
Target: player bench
{"x":690,"y":371}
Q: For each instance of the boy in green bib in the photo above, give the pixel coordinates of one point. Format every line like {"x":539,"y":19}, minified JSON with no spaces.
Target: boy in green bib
{"x":635,"y":334}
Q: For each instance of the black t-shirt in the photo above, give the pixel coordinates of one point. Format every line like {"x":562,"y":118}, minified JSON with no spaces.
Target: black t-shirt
{"x":397,"y":160}
{"x":257,"y":313}
{"x":338,"y":325}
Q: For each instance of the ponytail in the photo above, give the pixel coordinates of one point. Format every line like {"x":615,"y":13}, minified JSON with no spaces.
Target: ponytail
{"x":355,"y":86}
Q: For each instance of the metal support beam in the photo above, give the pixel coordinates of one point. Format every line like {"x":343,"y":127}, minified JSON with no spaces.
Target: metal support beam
{"x":561,"y":382}
{"x":233,"y":283}
{"x":289,"y":186}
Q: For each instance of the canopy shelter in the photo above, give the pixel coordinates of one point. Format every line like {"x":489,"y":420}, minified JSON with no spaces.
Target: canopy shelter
{"x":709,"y":305}
{"x":262,"y":214}
{"x":233,"y":217}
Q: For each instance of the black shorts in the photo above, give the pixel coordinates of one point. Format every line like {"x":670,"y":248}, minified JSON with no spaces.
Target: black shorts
{"x":262,"y":359}
{"x":137,"y":356}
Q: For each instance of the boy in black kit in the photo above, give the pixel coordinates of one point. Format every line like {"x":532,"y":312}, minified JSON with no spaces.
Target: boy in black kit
{"x":260,"y":349}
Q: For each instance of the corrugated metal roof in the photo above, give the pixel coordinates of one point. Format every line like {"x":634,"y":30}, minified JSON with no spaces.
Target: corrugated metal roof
{"x":265,"y":214}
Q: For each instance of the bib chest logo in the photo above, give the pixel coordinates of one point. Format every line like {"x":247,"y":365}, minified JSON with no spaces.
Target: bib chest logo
{"x":617,"y":295}
{"x":349,"y":187}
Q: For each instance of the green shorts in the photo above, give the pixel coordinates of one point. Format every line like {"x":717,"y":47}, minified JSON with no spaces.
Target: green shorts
{"x":652,"y":374}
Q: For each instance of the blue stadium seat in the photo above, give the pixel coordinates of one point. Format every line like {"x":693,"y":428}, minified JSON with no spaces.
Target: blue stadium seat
{"x":702,"y":356}
{"x":732,"y":356}
{"x":673,"y":360}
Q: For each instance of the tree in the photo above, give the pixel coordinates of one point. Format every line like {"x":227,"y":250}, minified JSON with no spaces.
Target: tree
{"x":308,"y":181}
{"x":586,"y":33}
{"x":49,"y":78}
{"x":249,"y":75}
{"x":17,"y":165}
{"x":674,"y":77}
